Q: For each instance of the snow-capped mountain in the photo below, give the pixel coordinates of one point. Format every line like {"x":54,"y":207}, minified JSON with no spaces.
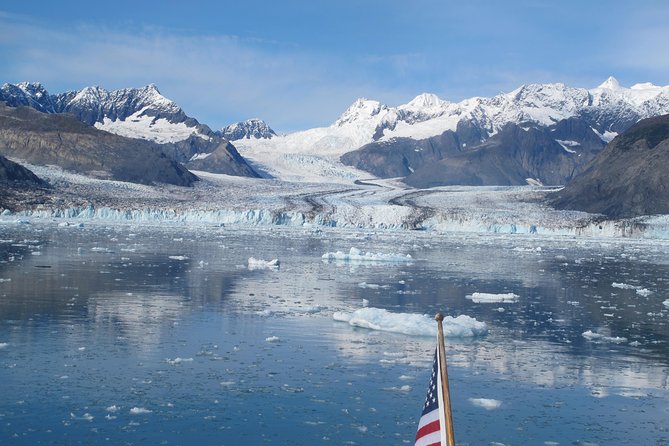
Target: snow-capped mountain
{"x":572,"y":124}
{"x":251,"y":128}
{"x":140,"y":113}
{"x":609,"y":108}
{"x":134,"y":112}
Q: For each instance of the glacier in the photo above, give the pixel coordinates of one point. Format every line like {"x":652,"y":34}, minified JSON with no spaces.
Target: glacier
{"x":225,"y":201}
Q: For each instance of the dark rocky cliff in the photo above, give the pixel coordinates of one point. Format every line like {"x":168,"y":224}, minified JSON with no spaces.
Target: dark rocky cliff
{"x":628,"y":178}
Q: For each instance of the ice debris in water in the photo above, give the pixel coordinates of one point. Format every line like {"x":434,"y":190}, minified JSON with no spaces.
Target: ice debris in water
{"x":598,"y":337}
{"x":178,"y":257}
{"x":263,"y":264}
{"x":272,"y":339}
{"x":139,"y":411}
{"x":487,"y":298}
{"x":411,"y":324}
{"x":356,"y":255}
{"x":486,"y":403}
{"x":176,"y":361}
{"x":666,"y":303}
{"x":639,"y":290}
{"x":5,"y":344}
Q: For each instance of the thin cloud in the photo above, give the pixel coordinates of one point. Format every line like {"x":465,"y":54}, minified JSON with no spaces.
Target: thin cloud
{"x":217,"y":79}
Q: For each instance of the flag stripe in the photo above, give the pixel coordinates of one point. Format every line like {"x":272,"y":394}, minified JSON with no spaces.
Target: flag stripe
{"x":433,"y":439}
{"x":428,"y":418}
{"x":428,"y":429}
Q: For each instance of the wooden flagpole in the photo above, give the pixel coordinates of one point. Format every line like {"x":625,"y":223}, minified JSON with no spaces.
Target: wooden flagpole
{"x":446,"y":395}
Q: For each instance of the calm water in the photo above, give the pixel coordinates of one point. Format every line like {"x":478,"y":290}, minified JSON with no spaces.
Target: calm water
{"x":128,"y":335}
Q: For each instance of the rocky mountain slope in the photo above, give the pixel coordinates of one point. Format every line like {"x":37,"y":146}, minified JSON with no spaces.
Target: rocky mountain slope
{"x":628,"y":178}
{"x":134,"y":113}
{"x":62,"y":140}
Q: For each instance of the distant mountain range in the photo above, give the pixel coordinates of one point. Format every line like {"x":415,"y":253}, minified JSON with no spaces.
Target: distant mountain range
{"x":537,"y":134}
{"x":134,"y":113}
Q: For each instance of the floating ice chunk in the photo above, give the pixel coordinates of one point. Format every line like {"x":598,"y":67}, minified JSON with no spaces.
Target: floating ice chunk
{"x":5,"y":280}
{"x":487,"y":298}
{"x":139,"y":411}
{"x":177,"y":361}
{"x":373,"y":286}
{"x":485,"y":403}
{"x":263,"y":264}
{"x":84,"y":417}
{"x":355,"y":255}
{"x":113,"y":408}
{"x":639,"y":290}
{"x":666,"y":303}
{"x":405,"y":388}
{"x":178,"y":257}
{"x":411,"y":324}
{"x":5,"y":344}
{"x":597,"y":337}
{"x":272,"y":339}
{"x":623,"y":286}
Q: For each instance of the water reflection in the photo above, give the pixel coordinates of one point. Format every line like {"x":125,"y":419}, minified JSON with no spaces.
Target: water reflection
{"x":150,"y":312}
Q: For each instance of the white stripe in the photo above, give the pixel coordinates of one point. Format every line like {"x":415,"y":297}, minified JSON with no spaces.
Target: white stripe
{"x":428,"y":418}
{"x":429,"y":439}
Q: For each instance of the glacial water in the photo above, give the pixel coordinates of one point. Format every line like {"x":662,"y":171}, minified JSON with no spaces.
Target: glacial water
{"x":147,"y":335}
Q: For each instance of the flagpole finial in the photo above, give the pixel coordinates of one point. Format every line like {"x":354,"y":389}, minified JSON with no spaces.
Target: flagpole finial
{"x":438,"y":317}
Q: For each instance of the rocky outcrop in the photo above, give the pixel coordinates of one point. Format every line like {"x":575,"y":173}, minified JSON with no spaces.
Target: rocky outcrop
{"x":14,"y":173}
{"x":224,"y":159}
{"x":628,"y":178}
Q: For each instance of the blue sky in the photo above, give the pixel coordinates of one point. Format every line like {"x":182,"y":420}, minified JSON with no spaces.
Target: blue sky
{"x":301,"y":63}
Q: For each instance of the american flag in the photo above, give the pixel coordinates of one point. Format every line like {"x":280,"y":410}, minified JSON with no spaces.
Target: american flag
{"x":431,"y":426}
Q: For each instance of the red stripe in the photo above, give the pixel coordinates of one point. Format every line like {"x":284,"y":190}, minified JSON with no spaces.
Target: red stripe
{"x":428,"y":429}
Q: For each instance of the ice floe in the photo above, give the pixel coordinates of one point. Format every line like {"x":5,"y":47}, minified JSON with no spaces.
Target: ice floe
{"x":177,"y":361}
{"x":178,"y":257}
{"x":254,"y":263}
{"x":486,"y":403}
{"x":411,"y":324}
{"x":666,"y":303}
{"x":488,"y":298}
{"x":639,"y":290}
{"x":139,"y":411}
{"x":598,"y":337}
{"x":356,"y":255}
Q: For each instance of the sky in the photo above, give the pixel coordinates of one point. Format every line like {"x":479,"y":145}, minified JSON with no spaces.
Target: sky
{"x":299,"y":64}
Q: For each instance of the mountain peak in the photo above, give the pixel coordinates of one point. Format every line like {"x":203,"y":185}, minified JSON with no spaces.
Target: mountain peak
{"x":362,"y":108}
{"x":426,"y":100}
{"x":251,"y":128}
{"x":610,"y":84}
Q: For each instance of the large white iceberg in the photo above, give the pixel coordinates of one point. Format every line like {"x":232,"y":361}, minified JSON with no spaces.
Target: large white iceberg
{"x":356,"y":255}
{"x":411,"y":324}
